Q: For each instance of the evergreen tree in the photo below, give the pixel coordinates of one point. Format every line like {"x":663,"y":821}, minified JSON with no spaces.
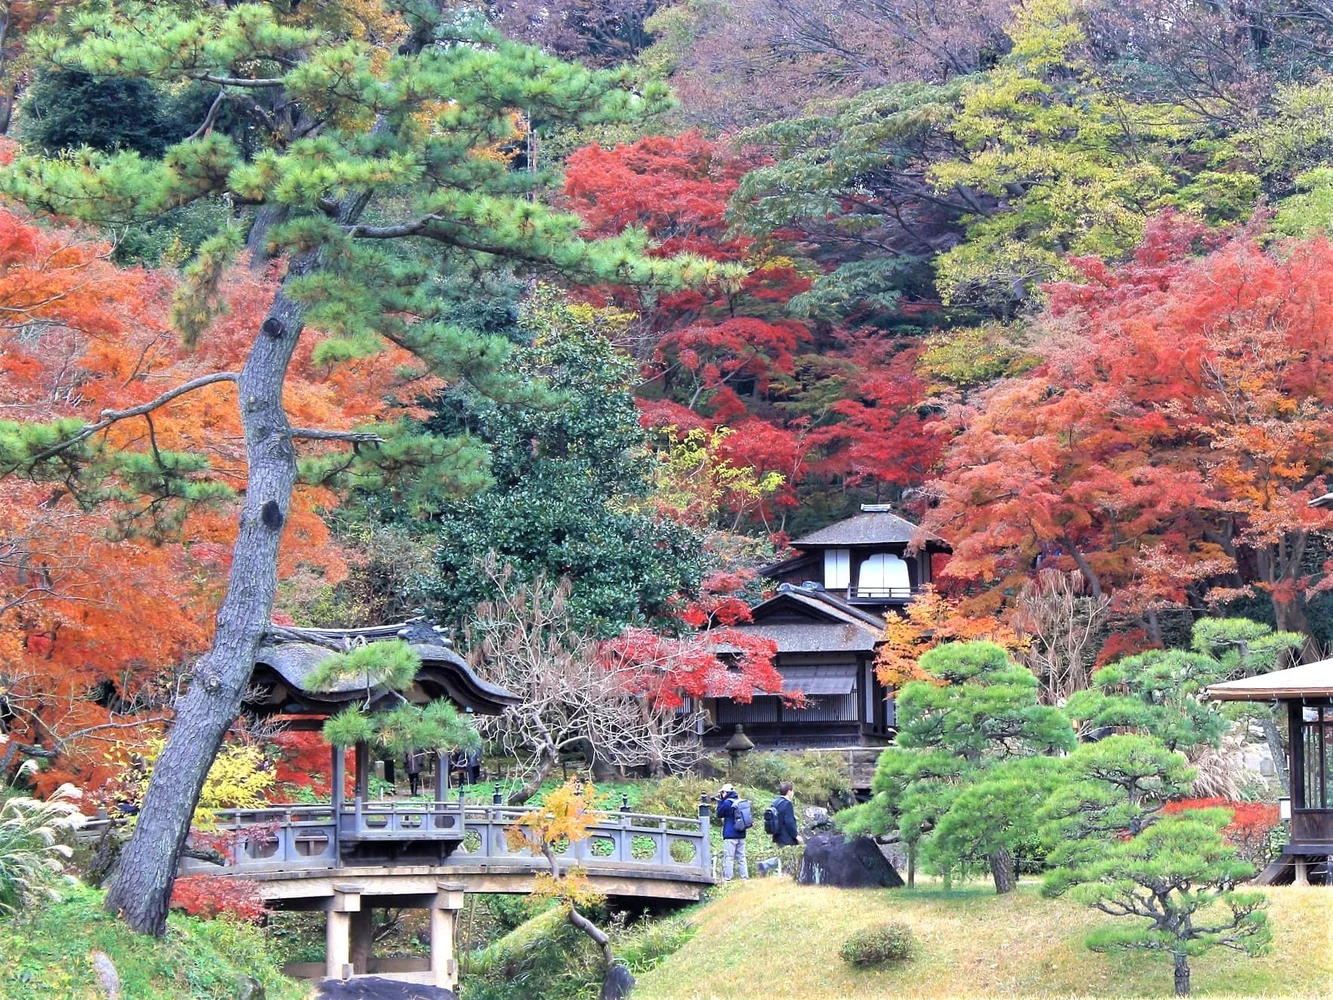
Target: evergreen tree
{"x":570,"y":477}
{"x":958,"y":781}
{"x":383,"y":168}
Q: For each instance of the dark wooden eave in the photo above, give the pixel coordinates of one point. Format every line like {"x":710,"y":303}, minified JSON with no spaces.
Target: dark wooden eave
{"x":289,"y":655}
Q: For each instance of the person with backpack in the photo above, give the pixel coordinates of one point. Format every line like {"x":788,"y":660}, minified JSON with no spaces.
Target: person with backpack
{"x":780,"y":817}
{"x":736,"y":817}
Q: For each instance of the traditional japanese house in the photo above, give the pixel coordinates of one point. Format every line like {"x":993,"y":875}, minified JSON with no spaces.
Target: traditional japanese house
{"x":827,"y":618}
{"x":1304,"y":695}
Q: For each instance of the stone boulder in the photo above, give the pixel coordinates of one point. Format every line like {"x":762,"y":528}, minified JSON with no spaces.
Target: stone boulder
{"x":377,"y":988}
{"x":832,"y":859}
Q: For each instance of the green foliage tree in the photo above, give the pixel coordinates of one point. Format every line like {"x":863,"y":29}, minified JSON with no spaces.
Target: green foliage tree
{"x":1160,"y":692}
{"x":965,"y":739}
{"x":1111,"y":789}
{"x":1179,"y":878}
{"x":380,"y":172}
{"x":571,"y":472}
{"x":389,"y":667}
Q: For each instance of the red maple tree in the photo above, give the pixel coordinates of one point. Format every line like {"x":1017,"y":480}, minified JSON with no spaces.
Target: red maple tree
{"x":1169,"y":444}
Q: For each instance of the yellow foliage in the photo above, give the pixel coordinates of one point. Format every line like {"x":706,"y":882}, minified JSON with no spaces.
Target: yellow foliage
{"x":241,"y":778}
{"x":565,"y":817}
{"x":694,"y":483}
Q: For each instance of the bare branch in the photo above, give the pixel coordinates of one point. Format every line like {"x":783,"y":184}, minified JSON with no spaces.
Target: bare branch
{"x":211,"y":117}
{"x":110,"y":417}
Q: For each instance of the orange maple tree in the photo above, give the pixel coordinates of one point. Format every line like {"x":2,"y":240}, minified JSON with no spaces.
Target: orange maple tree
{"x":1170,"y":442}
{"x":929,"y":620}
{"x":107,"y":586}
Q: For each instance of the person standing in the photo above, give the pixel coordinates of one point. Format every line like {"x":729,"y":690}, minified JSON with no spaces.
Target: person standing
{"x":784,"y":808}
{"x":412,"y":759}
{"x":733,"y":834}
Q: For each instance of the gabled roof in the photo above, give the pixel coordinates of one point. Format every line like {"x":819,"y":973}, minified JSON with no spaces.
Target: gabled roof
{"x":819,"y":603}
{"x":811,"y":620}
{"x":875,"y":525}
{"x":1309,"y":680}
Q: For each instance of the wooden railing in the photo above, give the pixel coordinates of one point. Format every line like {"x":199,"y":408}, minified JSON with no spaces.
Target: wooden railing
{"x":300,"y":838}
{"x":882,"y":593}
{"x":1312,"y":826}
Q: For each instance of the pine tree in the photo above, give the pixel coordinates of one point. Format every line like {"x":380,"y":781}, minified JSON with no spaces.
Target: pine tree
{"x":384,"y":167}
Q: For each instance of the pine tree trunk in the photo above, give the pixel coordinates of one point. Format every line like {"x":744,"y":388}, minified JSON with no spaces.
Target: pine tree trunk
{"x":142,"y":889}
{"x":1182,"y":973}
{"x":1002,"y":870}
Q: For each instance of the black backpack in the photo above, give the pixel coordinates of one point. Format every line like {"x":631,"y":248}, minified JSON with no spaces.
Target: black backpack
{"x":771,"y":822}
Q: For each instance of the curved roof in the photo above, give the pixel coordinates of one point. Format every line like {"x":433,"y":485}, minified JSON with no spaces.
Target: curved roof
{"x":289,"y":655}
{"x":875,"y":525}
{"x":1309,"y":680}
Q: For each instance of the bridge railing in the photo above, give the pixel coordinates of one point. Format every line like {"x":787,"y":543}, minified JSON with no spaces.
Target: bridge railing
{"x":302,"y":837}
{"x":276,"y":837}
{"x":633,"y":840}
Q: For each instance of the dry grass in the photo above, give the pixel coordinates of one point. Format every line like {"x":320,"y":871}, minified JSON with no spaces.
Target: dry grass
{"x":772,"y":938}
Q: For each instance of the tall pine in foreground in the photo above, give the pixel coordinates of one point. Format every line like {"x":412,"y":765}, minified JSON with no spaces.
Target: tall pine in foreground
{"x":382,"y":170}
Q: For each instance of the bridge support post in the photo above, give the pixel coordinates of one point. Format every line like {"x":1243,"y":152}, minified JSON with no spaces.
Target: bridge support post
{"x":443,"y":921}
{"x":338,"y":931}
{"x":362,"y":940}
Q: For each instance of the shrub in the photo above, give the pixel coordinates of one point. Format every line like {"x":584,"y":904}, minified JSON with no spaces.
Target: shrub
{"x":210,"y":896}
{"x":878,"y":945}
{"x":676,"y":796}
{"x":819,"y":779}
{"x":32,"y":854}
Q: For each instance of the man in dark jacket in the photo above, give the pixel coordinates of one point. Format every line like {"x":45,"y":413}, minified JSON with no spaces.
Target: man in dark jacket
{"x":787,"y":834}
{"x":733,"y":840}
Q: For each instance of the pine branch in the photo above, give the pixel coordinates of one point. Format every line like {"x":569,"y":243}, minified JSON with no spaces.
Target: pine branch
{"x":110,"y":417}
{"x":323,"y":434}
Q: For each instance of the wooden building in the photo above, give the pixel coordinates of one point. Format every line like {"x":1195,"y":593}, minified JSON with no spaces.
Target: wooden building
{"x":827,"y":618}
{"x":365,"y":831}
{"x":1305,"y":695}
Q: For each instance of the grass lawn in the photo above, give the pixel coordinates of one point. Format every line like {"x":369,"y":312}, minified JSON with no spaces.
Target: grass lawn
{"x":773,"y":938}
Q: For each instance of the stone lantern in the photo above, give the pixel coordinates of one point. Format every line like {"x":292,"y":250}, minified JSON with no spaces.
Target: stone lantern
{"x":738,"y":744}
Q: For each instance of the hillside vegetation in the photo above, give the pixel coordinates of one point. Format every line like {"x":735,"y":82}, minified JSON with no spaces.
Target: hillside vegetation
{"x":774,"y":938}
{"x":51,"y":956}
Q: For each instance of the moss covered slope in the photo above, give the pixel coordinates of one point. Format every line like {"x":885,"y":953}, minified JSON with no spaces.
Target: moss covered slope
{"x":49,"y":954}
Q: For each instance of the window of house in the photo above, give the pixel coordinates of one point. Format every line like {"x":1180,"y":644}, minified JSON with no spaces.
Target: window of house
{"x":837,"y":569}
{"x":1317,"y":733}
{"x":884,"y":575}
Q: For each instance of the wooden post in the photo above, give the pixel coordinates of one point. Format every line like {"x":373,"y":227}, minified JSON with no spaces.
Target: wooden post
{"x":1300,"y":874}
{"x":441,"y":776}
{"x":337,"y":783}
{"x":362,"y":765}
{"x":338,"y":931}
{"x":443,"y":920}
{"x":362,"y":933}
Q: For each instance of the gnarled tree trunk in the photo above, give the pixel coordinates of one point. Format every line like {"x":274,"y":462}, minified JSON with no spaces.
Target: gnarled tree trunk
{"x":1182,"y":973}
{"x":141,"y":891}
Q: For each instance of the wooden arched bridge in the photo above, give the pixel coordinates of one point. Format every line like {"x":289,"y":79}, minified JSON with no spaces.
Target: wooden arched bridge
{"x":347,"y":859}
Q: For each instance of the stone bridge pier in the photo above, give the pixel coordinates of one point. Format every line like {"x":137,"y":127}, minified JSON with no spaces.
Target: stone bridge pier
{"x":349,"y":928}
